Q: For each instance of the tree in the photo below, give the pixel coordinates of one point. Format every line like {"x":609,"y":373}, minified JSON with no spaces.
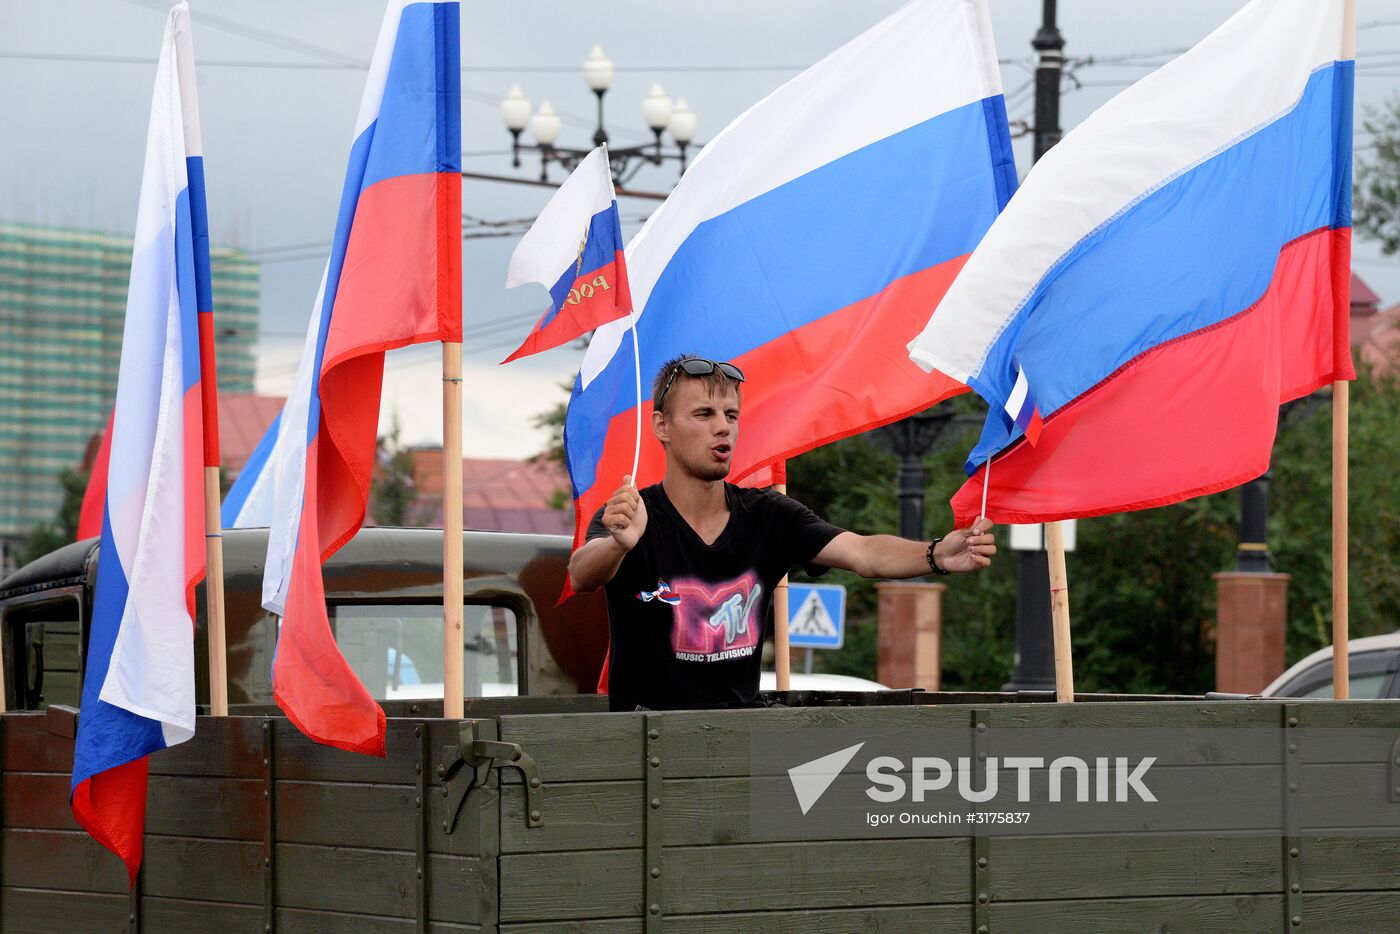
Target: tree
{"x":46,"y":536}
{"x":1300,"y":530}
{"x":552,"y":422}
{"x":1376,"y":211}
{"x":394,"y":491}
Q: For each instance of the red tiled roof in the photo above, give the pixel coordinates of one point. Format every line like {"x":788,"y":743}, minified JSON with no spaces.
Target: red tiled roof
{"x":1378,"y":342}
{"x":1363,"y":299}
{"x":500,"y":495}
{"x":243,"y":420}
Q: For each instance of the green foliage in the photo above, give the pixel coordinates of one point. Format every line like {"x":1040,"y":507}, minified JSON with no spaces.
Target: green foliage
{"x":394,"y":492}
{"x":1143,"y":597}
{"x":46,"y":536}
{"x":852,"y":484}
{"x":850,"y":480}
{"x":1376,"y":208}
{"x":1300,"y":534}
{"x":552,"y":421}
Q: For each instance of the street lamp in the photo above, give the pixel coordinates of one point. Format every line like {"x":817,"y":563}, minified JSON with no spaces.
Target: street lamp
{"x":1252,"y":556}
{"x":544,"y":126}
{"x":1034,"y":658}
{"x":660,"y":113}
{"x":910,"y":439}
{"x":598,"y":72}
{"x":682,"y":124}
{"x":656,"y":108}
{"x":515,"y":111}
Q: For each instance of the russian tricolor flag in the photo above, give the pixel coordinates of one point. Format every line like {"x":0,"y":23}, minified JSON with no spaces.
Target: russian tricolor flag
{"x":574,"y":249}
{"x":138,"y":686}
{"x":1169,"y":274}
{"x":394,"y":278}
{"x":807,"y":244}
{"x":1022,"y":408}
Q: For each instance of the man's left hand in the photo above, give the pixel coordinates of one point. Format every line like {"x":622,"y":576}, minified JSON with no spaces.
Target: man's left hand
{"x":968,"y":549}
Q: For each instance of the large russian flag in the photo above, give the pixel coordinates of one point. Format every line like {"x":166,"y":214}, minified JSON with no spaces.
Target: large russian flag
{"x":1172,"y":271}
{"x":138,"y":685}
{"x":394,"y":278}
{"x":807,"y":244}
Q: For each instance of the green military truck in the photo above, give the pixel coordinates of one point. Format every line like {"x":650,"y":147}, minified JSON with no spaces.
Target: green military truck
{"x":541,"y":812}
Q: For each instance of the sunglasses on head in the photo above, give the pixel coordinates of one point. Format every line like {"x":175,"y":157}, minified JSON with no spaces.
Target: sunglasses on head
{"x":697,"y":366}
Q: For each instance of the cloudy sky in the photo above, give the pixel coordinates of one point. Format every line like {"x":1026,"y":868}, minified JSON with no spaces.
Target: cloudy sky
{"x":280,"y":82}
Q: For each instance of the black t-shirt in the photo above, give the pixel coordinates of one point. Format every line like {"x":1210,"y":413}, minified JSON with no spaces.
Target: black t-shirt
{"x":688,"y":619}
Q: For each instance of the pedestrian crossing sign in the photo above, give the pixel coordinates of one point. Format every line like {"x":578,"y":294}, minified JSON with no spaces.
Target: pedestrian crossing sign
{"x":816,"y":616}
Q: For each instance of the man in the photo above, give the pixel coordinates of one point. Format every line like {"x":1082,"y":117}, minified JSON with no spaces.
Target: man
{"x":690,"y":565}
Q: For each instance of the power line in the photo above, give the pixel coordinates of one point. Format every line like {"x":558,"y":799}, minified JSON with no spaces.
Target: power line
{"x":576,"y":69}
{"x":320,"y":254}
{"x":471,"y":330}
{"x":1012,"y":98}
{"x":1128,"y":57}
{"x":504,"y":332}
{"x":342,"y":60}
{"x":277,"y":40}
{"x":493,"y":230}
{"x":136,"y":60}
{"x":1103,"y":84}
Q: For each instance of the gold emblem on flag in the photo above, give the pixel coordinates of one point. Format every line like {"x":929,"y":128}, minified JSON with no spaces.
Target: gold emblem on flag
{"x":586,"y":290}
{"x":582,"y":245}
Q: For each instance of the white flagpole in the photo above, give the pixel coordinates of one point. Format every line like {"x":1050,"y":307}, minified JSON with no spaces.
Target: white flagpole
{"x":636,"y":359}
{"x":986,"y":482}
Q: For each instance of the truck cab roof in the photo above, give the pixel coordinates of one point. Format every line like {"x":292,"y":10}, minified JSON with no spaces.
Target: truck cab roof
{"x":383,"y":593}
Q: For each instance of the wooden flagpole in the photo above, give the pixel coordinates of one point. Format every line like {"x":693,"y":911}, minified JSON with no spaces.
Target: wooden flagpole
{"x":1341,"y":675}
{"x":3,"y":706}
{"x":1059,"y":612}
{"x":782,"y":655}
{"x":453,"y":644}
{"x":214,"y":592}
{"x":215,"y":631}
{"x":1341,"y":410}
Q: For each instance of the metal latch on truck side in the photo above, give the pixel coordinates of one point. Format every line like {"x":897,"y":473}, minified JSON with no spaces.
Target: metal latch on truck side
{"x":1394,"y":776}
{"x":468,"y":765}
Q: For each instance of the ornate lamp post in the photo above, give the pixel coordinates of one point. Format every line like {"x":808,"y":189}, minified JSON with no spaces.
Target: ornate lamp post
{"x":910,"y":439}
{"x":1034,"y":659}
{"x":662,"y":116}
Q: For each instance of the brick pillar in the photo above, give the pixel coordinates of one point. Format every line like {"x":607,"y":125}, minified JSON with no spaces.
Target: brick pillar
{"x":911,"y":624}
{"x":1251,"y":618}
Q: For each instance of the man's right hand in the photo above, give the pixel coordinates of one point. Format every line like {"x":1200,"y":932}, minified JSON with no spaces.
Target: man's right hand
{"x":625,"y":515}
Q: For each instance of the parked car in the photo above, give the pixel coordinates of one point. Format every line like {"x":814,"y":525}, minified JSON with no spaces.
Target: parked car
{"x":1374,"y":671}
{"x":768,"y":681}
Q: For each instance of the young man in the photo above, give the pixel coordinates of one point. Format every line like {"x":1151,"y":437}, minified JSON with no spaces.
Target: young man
{"x":689,"y":565}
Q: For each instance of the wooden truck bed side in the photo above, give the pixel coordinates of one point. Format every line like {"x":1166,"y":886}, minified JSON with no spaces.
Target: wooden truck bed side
{"x":591,"y":822}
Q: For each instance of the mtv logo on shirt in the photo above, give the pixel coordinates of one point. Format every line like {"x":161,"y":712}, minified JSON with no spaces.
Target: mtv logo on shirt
{"x":717,"y":622}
